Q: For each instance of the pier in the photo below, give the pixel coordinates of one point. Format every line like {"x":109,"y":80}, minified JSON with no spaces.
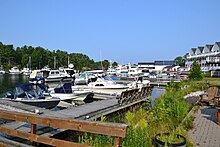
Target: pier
{"x":71,"y":118}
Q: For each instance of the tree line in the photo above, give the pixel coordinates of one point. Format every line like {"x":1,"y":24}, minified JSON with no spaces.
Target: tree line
{"x":39,"y":57}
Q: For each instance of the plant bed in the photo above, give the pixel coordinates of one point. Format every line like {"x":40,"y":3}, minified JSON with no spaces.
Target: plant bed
{"x":170,"y":140}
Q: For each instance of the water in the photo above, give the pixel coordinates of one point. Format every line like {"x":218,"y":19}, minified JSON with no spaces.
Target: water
{"x":8,"y":81}
{"x":156,"y":92}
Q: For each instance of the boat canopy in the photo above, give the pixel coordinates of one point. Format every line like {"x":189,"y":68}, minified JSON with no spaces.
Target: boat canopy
{"x":65,"y":88}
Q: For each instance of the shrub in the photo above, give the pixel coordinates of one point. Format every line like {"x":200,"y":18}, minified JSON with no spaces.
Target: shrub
{"x":195,"y":72}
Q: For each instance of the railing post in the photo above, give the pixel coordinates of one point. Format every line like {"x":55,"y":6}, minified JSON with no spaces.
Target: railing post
{"x":117,"y":141}
{"x":33,"y":131}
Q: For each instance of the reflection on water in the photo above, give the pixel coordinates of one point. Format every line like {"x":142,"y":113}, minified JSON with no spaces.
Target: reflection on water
{"x":8,"y":81}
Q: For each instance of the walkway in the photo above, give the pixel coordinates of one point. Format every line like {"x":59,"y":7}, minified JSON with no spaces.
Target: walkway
{"x":206,"y":132}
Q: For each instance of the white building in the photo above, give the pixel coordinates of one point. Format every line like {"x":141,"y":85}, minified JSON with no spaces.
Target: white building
{"x":208,"y":57}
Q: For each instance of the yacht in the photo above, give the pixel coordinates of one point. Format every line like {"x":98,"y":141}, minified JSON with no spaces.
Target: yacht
{"x":84,"y":78}
{"x":133,"y":70}
{"x":106,"y":85}
{"x":48,"y":76}
{"x":14,"y":70}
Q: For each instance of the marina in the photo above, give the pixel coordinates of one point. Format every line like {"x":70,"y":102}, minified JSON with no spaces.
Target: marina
{"x":103,"y":104}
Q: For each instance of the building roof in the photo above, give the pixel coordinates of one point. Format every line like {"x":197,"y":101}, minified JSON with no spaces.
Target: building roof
{"x":194,"y":50}
{"x":218,"y":43}
{"x":201,"y":48}
{"x":165,"y":62}
{"x":209,"y":46}
{"x":145,"y":63}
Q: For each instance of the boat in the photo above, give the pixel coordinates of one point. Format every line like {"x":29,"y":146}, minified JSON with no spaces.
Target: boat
{"x":26,"y":71}
{"x":133,"y":70}
{"x":111,"y":71}
{"x":50,"y":76}
{"x":14,"y":70}
{"x":84,"y":78}
{"x":25,"y":93}
{"x":2,"y":70}
{"x":65,"y":93}
{"x":106,"y":85}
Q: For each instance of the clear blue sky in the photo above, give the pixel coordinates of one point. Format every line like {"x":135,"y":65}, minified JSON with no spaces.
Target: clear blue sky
{"x":122,"y":30}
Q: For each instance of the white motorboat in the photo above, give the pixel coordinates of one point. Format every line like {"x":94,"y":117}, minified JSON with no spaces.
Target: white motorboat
{"x":85,"y":78}
{"x":14,"y":70}
{"x":65,"y":74}
{"x":65,"y":93}
{"x":106,"y":85}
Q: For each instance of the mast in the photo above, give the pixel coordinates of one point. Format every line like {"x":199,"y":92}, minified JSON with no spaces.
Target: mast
{"x":68,"y":61}
{"x":101,"y":58}
{"x":29,"y":62}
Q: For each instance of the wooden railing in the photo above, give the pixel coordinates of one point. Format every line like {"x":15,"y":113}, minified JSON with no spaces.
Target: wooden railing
{"x":104,"y":128}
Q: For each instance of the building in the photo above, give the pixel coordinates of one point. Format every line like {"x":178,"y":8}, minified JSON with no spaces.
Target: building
{"x":208,"y":57}
{"x":156,"y":65}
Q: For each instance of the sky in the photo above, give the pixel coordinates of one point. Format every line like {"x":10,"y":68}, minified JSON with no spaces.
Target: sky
{"x":125,"y":31}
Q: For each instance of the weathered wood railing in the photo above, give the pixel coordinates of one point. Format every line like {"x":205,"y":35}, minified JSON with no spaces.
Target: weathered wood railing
{"x":104,"y":128}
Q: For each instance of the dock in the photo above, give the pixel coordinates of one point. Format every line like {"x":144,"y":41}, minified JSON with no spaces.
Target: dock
{"x":89,"y":111}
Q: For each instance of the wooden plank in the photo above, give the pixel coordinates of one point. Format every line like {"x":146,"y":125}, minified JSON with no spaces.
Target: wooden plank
{"x":111,"y":129}
{"x":41,"y":139}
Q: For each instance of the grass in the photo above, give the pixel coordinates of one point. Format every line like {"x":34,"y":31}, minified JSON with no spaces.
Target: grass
{"x":212,"y":81}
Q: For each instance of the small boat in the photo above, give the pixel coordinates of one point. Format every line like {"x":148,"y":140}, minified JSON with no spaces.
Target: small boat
{"x":25,"y":93}
{"x":14,"y":70}
{"x":65,"y":93}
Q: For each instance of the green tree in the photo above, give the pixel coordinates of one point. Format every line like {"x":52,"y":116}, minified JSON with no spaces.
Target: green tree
{"x":195,"y":72}
{"x":180,"y":61}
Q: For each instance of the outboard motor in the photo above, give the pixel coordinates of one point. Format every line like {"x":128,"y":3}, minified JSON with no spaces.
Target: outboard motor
{"x":9,"y":94}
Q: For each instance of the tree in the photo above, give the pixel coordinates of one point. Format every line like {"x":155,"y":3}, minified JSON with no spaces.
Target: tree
{"x":180,"y":61}
{"x":195,"y":72}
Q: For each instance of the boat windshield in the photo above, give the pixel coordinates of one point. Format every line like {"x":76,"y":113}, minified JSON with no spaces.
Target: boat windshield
{"x":107,"y":78}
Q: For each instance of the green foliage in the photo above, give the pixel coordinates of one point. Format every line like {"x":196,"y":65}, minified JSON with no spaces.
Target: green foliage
{"x":207,"y":75}
{"x":41,"y":57}
{"x":188,"y":123}
{"x":180,"y":61}
{"x":195,"y":72}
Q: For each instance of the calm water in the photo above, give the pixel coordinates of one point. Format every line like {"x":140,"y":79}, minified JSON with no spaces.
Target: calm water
{"x":8,"y":81}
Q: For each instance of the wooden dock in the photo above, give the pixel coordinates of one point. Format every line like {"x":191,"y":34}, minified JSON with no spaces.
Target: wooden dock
{"x":89,"y":111}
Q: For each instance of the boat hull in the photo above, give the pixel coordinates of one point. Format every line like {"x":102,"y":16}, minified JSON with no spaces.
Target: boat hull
{"x":43,"y":103}
{"x":71,"y":96}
